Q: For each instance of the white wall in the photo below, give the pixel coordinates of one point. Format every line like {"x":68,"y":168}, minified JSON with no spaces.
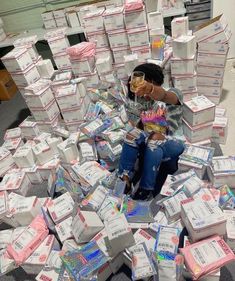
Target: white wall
{"x":227,"y":7}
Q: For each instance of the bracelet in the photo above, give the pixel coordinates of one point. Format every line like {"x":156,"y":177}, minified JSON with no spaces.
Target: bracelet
{"x":152,"y":91}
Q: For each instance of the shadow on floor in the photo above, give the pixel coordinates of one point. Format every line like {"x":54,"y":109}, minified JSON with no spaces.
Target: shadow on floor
{"x":224,"y":95}
{"x":25,"y":112}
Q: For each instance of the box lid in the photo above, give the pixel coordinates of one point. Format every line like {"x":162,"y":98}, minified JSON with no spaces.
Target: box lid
{"x":199,"y":103}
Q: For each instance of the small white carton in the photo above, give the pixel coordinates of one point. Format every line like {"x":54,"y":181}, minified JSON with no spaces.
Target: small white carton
{"x":64,"y":229}
{"x":100,"y":240}
{"x":68,"y":153}
{"x":61,"y":207}
{"x":61,"y":22}
{"x":210,"y":28}
{"x":68,"y":96}
{"x":13,"y":144}
{"x":184,"y":47}
{"x":230,"y":229}
{"x":209,"y":91}
{"x":186,"y":83}
{"x":120,"y":71}
{"x":12,"y":133}
{"x":24,"y":157}
{"x":222,"y":171}
{"x":210,"y":71}
{"x":3,"y":203}
{"x":29,"y":76}
{"x":189,"y":96}
{"x":155,"y":20}
{"x":83,"y":66}
{"x":46,"y":169}
{"x":182,"y":66}
{"x":6,"y":161}
{"x":47,"y":113}
{"x":58,"y":44}
{"x":202,"y":219}
{"x":220,"y":111}
{"x":213,"y":48}
{"x":7,"y":263}
{"x":58,"y":13}
{"x":138,"y":37}
{"x":104,"y":65}
{"x":16,"y":60}
{"x":43,"y":153}
{"x":93,"y":21}
{"x":36,"y":262}
{"x":221,"y":37}
{"x":220,"y":130}
{"x":130,"y":62}
{"x":92,"y":80}
{"x":16,"y":181}
{"x":26,"y":209}
{"x":135,"y":18}
{"x":62,"y":60}
{"x":45,"y":68}
{"x":113,"y":18}
{"x":118,"y":38}
{"x":197,"y":133}
{"x":53,"y":142}
{"x":33,"y":175}
{"x":119,"y":54}
{"x":185,"y":165}
{"x":179,"y":27}
{"x":198,"y":111}
{"x":75,"y":113}
{"x":99,"y":38}
{"x":86,"y":225}
{"x":39,"y":99}
{"x":215,"y":60}
{"x":47,"y":15}
{"x":73,"y":19}
{"x":143,"y":52}
{"x":119,"y":234}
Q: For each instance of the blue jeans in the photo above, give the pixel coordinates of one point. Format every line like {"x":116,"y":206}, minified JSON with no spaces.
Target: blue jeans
{"x":158,"y":159}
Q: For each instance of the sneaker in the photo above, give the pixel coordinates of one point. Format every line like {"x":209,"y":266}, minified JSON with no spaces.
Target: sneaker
{"x":143,"y":194}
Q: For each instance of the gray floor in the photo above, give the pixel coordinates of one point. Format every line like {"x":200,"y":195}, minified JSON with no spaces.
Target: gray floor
{"x":12,"y":113}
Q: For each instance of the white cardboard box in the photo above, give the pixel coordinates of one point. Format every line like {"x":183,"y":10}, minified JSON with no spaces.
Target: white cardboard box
{"x":138,"y":37}
{"x":12,"y":133}
{"x":5,"y":237}
{"x":155,"y":20}
{"x":53,"y":142}
{"x":45,"y":68}
{"x":222,"y":171}
{"x":213,"y":48}
{"x":130,"y":62}
{"x":64,"y":229}
{"x":49,"y":24}
{"x":143,"y":52}
{"x":36,"y":262}
{"x":202,"y":219}
{"x":230,"y":231}
{"x":61,"y":207}
{"x":198,"y":111}
{"x":221,"y":37}
{"x":99,"y":38}
{"x":16,"y":181}
{"x":135,"y":18}
{"x":58,"y":44}
{"x":58,"y":13}
{"x":182,"y":66}
{"x":67,"y":152}
{"x":68,"y":96}
{"x":43,"y":153}
{"x":62,"y":61}
{"x":39,"y":99}
{"x":119,"y":54}
{"x":61,"y":22}
{"x":118,"y":38}
{"x":47,"y":15}
{"x":6,"y":161}
{"x":120,"y":71}
{"x":92,"y":80}
{"x":215,"y":60}
{"x":26,"y":209}
{"x":210,"y":28}
{"x":29,"y":76}
{"x":75,"y":113}
{"x":184,"y":47}
{"x":197,"y":133}
{"x":179,"y":27}
{"x":203,"y":80}
{"x":186,"y":83}
{"x":113,"y":18}
{"x":220,"y":111}
{"x":210,"y":71}
{"x":33,"y":175}
{"x":189,"y":96}
{"x":104,"y":65}
{"x":209,"y":91}
{"x":86,"y":225}
{"x":93,"y":21}
{"x":24,"y":157}
{"x":84,"y":66}
{"x":73,"y":19}
{"x":220,"y":130}
{"x":119,"y":234}
{"x":47,"y":113}
{"x":186,"y":165}
{"x":17,"y":60}
{"x":3,"y":204}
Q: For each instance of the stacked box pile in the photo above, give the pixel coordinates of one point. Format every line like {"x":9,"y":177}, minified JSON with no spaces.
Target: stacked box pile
{"x":183,"y":61}
{"x":212,"y":38}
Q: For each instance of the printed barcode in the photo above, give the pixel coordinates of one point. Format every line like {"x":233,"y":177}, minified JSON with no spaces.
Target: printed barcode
{"x":119,"y":232}
{"x":171,"y":207}
{"x":165,"y":245}
{"x":200,"y":256}
{"x":138,"y":250}
{"x":19,"y":245}
{"x":62,"y":231}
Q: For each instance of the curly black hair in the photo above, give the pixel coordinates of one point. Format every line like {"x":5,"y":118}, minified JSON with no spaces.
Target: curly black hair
{"x":153,"y":73}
